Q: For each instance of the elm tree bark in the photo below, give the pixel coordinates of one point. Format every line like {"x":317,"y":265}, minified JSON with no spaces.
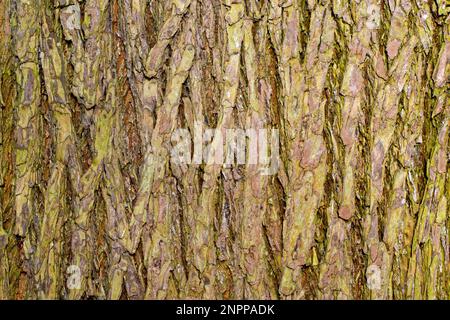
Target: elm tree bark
{"x":92,"y":204}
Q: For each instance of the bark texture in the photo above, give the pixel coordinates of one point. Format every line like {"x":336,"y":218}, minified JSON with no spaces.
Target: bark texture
{"x":91,"y":92}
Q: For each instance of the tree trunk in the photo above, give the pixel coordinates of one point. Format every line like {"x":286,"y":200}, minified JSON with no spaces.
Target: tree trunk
{"x":93,"y":203}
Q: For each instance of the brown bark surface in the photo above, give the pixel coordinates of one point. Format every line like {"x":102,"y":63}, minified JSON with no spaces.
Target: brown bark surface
{"x":93,"y":91}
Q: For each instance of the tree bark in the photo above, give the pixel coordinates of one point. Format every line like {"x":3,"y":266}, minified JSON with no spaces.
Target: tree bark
{"x":93,"y":91}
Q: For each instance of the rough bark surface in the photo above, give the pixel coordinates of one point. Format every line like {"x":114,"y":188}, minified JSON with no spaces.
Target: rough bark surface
{"x":91,"y":92}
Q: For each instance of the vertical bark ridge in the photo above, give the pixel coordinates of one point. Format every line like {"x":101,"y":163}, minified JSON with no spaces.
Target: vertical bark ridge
{"x":49,"y":252}
{"x":26,"y":43}
{"x":304,"y":106}
{"x":255,"y":255}
{"x":161,"y":256}
{"x":7,"y":94}
{"x":204,"y":251}
{"x":347,"y":73}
